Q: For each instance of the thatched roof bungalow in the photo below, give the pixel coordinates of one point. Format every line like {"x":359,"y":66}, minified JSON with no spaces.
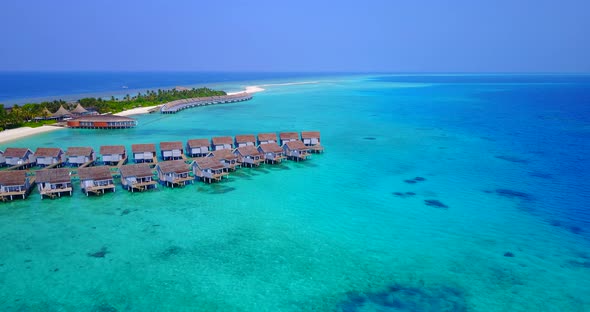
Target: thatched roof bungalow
{"x":61,"y":113}
{"x":174,"y":172}
{"x":14,"y":184}
{"x":171,"y":150}
{"x":112,"y":154}
{"x":245,"y":140}
{"x":137,"y":177}
{"x":249,"y":155}
{"x":96,"y":180}
{"x":53,"y":182}
{"x":208,"y":169}
{"x":79,"y":110}
{"x":271,"y":152}
{"x":47,"y":156}
{"x":143,"y":152}
{"x":197,"y":147}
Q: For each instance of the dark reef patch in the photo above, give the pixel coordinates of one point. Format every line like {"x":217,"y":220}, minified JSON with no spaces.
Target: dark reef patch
{"x":514,"y":194}
{"x":575,"y":229}
{"x":512,"y":159}
{"x":410,"y":193}
{"x":420,"y":179}
{"x":370,"y":138}
{"x":435,"y":203}
{"x":579,"y":264}
{"x":171,"y":251}
{"x":222,"y":190}
{"x":509,"y":254}
{"x":105,"y":308}
{"x":99,"y":254}
{"x":400,"y":297}
{"x":125,"y":212}
{"x":403,"y":194}
{"x":410,"y":181}
{"x":541,"y":175}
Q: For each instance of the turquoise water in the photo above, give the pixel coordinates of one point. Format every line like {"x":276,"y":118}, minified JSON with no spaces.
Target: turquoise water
{"x":348,"y":230}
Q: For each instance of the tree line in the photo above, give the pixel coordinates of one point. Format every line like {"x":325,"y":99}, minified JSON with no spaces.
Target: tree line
{"x":30,"y":114}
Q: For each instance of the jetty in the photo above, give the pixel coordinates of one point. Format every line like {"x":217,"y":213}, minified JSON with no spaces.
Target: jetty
{"x":178,"y":105}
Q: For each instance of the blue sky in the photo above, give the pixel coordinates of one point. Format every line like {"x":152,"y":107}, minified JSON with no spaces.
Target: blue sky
{"x":366,"y":36}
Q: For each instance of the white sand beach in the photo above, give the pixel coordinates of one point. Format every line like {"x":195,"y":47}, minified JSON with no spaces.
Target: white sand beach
{"x":14,"y":134}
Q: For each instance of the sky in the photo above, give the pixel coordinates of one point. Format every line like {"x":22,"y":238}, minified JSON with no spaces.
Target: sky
{"x":302,"y":36}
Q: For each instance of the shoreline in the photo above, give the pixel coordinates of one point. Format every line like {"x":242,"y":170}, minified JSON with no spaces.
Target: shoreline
{"x":18,"y":133}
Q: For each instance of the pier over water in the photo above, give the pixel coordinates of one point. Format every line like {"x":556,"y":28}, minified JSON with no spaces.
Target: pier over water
{"x":178,"y":105}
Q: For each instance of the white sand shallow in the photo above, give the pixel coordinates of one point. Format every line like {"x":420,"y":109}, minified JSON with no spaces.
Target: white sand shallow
{"x":15,"y":134}
{"x":136,"y":111}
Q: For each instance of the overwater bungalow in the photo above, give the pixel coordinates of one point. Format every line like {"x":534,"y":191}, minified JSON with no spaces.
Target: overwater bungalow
{"x":78,"y":156}
{"x":53,"y":182}
{"x":220,"y":143}
{"x":265,"y":138}
{"x":271,"y":152}
{"x":144,"y":152}
{"x":102,"y":122}
{"x":137,"y":177}
{"x":47,"y":156}
{"x":14,"y":184}
{"x":171,"y":150}
{"x":245,"y":140}
{"x":296,"y":150}
{"x":174,"y":172}
{"x":112,"y":154}
{"x":19,"y":156}
{"x":227,"y":158}
{"x":311,"y":139}
{"x":2,"y":159}
{"x":208,"y":169}
{"x":249,"y":155}
{"x":288,"y":137}
{"x":197,"y":147}
{"x":96,"y":180}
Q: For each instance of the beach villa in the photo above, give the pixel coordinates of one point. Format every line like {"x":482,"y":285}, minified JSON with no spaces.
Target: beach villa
{"x":296,"y":150}
{"x":174,"y":172}
{"x":265,"y":138}
{"x":197,"y":147}
{"x":61,"y":113}
{"x":144,"y":152}
{"x":112,"y":154}
{"x":208,"y":169}
{"x":245,"y":140}
{"x":137,"y":177}
{"x":47,"y":156}
{"x":18,"y":156}
{"x":14,"y":184}
{"x":220,"y":143}
{"x":53,"y":182}
{"x":288,"y":137}
{"x":171,"y":150}
{"x":226,"y":157}
{"x":96,"y":180}
{"x":249,"y":155}
{"x":78,"y":156}
{"x":311,"y":139}
{"x":271,"y":152}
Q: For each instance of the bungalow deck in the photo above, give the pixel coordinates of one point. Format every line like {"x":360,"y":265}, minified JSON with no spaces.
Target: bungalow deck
{"x":5,"y":196}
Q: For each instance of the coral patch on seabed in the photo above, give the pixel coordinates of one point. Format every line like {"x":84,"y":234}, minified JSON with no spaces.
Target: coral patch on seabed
{"x":399,"y":297}
{"x":435,"y":203}
{"x":370,"y":138}
{"x":512,"y":159}
{"x":99,"y":254}
{"x":513,"y":194}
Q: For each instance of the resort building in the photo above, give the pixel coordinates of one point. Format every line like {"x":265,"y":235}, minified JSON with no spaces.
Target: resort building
{"x":19,"y":156}
{"x":226,"y":157}
{"x":311,"y":139}
{"x":296,"y":150}
{"x":288,"y":137}
{"x":78,"y":156}
{"x":171,"y":150}
{"x":53,"y":182}
{"x":220,"y":143}
{"x":245,"y":140}
{"x":197,"y":147}
{"x":208,"y":169}
{"x":249,"y":155}
{"x":61,"y":113}
{"x":2,"y":159}
{"x":79,"y":110}
{"x":47,"y":156}
{"x":271,"y":152}
{"x":96,"y":180}
{"x":144,"y":152}
{"x":112,"y":154}
{"x":174,"y":172}
{"x":102,"y":122}
{"x":14,"y":184}
{"x":265,"y":138}
{"x":137,"y":177}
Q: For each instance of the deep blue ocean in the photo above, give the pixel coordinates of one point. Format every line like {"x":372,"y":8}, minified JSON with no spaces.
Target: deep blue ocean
{"x":435,"y":193}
